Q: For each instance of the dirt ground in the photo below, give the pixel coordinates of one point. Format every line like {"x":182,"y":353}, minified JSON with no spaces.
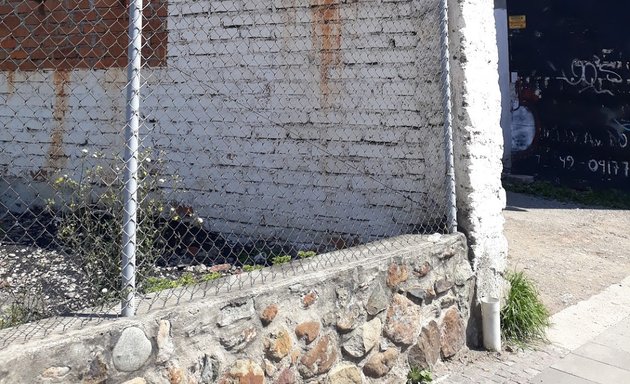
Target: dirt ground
{"x":571,"y":252}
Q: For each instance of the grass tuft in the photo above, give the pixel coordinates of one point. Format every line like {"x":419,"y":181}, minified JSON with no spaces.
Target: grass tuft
{"x":524,"y":318}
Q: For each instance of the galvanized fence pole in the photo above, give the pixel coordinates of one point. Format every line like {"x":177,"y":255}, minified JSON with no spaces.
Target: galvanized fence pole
{"x":451,"y":197}
{"x":130,"y":197}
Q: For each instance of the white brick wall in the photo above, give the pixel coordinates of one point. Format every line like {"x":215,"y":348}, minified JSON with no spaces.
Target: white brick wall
{"x":270,"y":123}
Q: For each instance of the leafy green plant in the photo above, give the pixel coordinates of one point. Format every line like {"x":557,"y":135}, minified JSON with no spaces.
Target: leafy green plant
{"x":524,"y":317}
{"x":306,"y":254}
{"x":251,"y":268}
{"x":419,"y":376}
{"x":91,"y":216}
{"x":281,"y":259}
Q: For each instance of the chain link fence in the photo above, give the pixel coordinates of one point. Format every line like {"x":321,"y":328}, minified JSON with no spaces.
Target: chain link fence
{"x":254,"y":139}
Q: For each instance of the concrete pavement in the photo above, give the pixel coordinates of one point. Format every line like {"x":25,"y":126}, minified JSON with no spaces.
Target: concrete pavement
{"x":604,"y":360}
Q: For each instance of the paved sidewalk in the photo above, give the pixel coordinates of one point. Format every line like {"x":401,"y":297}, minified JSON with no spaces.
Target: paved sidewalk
{"x":590,"y":343}
{"x":605,"y":359}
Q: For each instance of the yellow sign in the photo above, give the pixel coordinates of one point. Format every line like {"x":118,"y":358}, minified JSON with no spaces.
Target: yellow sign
{"x":517,"y":22}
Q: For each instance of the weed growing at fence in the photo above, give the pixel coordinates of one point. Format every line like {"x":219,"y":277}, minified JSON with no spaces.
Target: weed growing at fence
{"x":25,"y":307}
{"x":210,"y":276}
{"x":524,"y":318}
{"x":156,"y":284}
{"x":306,"y":254}
{"x":90,"y":224}
{"x":251,"y":268}
{"x":281,"y":259}
{"x":13,"y":315}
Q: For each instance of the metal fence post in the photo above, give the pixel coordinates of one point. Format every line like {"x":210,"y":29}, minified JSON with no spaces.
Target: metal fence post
{"x":131,"y":160}
{"x":451,"y":197}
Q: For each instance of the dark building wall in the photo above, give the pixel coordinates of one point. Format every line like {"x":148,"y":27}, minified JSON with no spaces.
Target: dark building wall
{"x":570,"y":64}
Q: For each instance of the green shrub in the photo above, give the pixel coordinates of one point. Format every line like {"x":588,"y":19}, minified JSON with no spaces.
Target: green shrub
{"x":524,"y":317}
{"x":91,"y":217}
{"x":419,"y":376}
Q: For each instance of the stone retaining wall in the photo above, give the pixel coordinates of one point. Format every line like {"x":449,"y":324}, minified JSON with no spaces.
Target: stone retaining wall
{"x":363,"y":321}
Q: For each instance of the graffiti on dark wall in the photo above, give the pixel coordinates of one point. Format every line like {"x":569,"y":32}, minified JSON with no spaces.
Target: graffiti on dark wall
{"x":571,"y":79}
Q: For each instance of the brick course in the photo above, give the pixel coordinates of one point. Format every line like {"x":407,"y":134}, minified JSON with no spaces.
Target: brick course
{"x":64,"y":35}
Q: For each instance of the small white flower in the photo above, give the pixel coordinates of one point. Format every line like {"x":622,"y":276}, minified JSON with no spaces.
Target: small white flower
{"x":104,"y":290}
{"x":117,"y":169}
{"x":148,"y":159}
{"x":199,"y":220}
{"x":95,"y":155}
{"x":84,"y":151}
{"x":161,"y":180}
{"x":172,"y":209}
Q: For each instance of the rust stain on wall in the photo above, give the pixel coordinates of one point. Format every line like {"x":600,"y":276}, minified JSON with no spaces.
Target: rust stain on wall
{"x":10,"y":81}
{"x":56,"y":158}
{"x":326,"y":35}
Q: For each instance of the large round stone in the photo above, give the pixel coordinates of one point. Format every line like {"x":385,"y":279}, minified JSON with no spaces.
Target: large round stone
{"x":132,"y":350}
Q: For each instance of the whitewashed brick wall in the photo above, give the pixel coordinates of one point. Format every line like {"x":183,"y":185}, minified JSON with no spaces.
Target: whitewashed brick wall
{"x":273,"y":119}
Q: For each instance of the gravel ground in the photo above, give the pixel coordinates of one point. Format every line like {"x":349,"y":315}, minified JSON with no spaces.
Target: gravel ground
{"x":38,"y":274}
{"x":571,"y":252}
{"x":48,"y":281}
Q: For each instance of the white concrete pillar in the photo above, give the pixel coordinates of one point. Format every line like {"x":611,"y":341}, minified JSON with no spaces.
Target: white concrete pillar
{"x":478,"y":139}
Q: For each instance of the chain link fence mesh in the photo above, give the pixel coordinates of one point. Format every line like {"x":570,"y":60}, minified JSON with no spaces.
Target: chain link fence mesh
{"x":272,"y":133}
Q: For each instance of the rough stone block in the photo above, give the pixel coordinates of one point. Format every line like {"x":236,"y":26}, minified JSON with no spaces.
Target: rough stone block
{"x":320,"y":358}
{"x":379,"y":364}
{"x":307,"y":331}
{"x":244,"y":372}
{"x":426,"y":352}
{"x":345,"y":374}
{"x":378,"y":301}
{"x":403,"y":320}
{"x":278,"y":344}
{"x":453,"y":333}
{"x":235,"y":311}
{"x":268,"y":314}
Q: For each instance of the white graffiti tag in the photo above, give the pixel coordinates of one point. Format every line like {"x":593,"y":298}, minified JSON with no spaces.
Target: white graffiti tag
{"x":592,"y":75}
